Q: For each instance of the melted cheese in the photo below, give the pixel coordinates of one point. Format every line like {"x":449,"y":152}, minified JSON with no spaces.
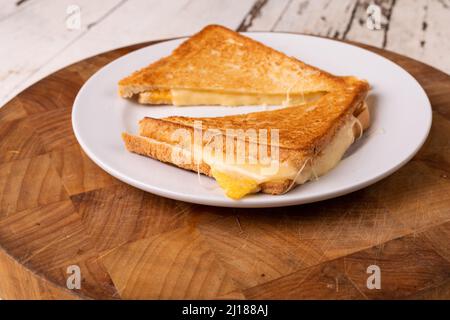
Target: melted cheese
{"x":235,"y":187}
{"x":240,"y":180}
{"x":185,"y":97}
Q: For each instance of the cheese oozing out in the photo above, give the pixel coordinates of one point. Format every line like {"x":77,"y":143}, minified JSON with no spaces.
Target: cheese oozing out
{"x":186,"y":97}
{"x":240,"y":180}
{"x":235,"y":187}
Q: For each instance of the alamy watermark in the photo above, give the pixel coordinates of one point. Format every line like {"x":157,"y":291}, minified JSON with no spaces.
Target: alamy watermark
{"x":73,"y":20}
{"x":74,"y":279}
{"x":374,"y":280}
{"x":373,"y":21}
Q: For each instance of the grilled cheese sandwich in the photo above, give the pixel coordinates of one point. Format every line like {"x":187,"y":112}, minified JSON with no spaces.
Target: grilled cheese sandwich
{"x":308,"y":150}
{"x":239,"y":180}
{"x":218,"y":66}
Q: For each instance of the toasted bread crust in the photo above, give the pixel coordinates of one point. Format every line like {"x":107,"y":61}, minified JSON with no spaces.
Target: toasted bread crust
{"x":217,"y":58}
{"x":163,"y":152}
{"x":303,"y":130}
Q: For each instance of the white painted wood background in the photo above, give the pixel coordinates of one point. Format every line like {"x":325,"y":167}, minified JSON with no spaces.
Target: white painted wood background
{"x":35,"y":40}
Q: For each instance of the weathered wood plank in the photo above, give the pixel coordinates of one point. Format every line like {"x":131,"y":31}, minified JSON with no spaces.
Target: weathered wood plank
{"x":407,"y":33}
{"x":35,"y":35}
{"x":419,"y":29}
{"x":11,"y":7}
{"x":264,"y":15}
{"x":416,"y":28}
{"x":324,"y":18}
{"x":337,"y":19}
{"x":358,"y":30}
{"x":191,"y":17}
{"x":105,"y":25}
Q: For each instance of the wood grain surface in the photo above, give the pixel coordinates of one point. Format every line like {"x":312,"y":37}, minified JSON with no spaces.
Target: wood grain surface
{"x":57,"y":209}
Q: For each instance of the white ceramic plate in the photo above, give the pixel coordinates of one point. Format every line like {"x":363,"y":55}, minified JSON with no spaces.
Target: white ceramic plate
{"x":401,"y":120}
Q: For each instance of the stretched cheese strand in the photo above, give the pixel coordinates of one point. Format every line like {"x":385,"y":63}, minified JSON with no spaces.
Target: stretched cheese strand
{"x":285,"y":103}
{"x":198,"y":166}
{"x":297,"y":175}
{"x":361,"y":130}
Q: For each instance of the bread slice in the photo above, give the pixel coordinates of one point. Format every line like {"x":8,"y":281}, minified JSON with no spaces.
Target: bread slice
{"x":222,"y":67}
{"x":305,"y":132}
{"x":163,"y":152}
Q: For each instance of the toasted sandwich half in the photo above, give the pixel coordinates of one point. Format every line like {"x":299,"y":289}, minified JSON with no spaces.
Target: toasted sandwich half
{"x":218,"y":66}
{"x":312,"y":139}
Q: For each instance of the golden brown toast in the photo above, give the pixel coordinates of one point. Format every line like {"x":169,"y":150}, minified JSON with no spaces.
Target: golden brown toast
{"x":163,"y":152}
{"x":304,"y":128}
{"x":220,"y":61}
{"x":304,"y":131}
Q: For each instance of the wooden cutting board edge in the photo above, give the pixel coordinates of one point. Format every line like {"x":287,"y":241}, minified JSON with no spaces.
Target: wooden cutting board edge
{"x":41,"y":288}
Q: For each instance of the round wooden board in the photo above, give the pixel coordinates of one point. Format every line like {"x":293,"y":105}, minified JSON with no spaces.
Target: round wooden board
{"x":58,"y":209}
